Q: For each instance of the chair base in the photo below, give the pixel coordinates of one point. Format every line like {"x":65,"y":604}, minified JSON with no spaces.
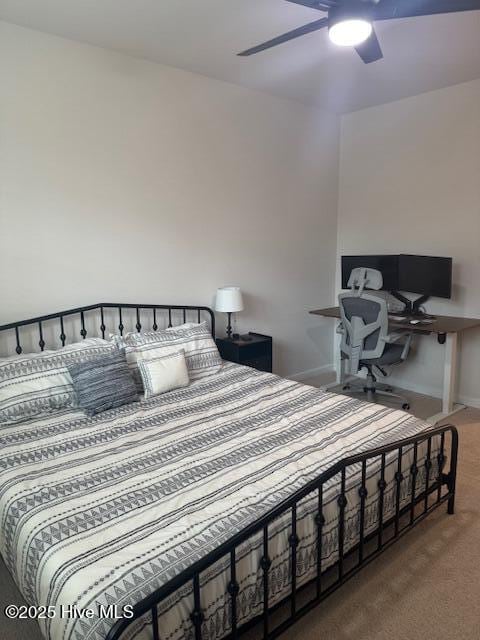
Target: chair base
{"x":372,"y":391}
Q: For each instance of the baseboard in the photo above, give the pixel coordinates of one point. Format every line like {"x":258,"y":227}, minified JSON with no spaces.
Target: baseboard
{"x":428,"y":390}
{"x":469,"y":401}
{"x":424,"y":389}
{"x":310,"y":373}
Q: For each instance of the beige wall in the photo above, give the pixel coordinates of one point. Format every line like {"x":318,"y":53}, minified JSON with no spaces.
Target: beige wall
{"x":410,"y":182}
{"x":124,"y":180}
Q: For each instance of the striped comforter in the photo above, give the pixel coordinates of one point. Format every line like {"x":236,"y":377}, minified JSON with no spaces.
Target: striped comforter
{"x":106,"y":509}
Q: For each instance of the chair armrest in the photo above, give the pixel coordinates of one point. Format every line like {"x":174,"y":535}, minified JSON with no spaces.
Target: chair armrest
{"x":391,"y":338}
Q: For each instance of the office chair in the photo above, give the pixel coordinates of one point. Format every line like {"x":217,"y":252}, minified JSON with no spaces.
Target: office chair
{"x":364,"y":329}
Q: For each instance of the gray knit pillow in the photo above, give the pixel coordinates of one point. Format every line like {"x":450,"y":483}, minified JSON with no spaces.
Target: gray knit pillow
{"x":103,"y":383}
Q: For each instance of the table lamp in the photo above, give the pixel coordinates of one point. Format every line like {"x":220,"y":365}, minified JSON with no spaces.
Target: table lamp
{"x":229,"y":300}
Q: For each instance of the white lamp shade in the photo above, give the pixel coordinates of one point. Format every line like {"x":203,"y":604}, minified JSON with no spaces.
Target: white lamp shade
{"x":229,"y":299}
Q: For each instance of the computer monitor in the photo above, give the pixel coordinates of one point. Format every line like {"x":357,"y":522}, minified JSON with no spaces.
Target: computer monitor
{"x":426,"y":275}
{"x":386,"y":264}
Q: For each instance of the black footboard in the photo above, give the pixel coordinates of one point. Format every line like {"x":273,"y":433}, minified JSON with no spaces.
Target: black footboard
{"x":427,"y":470}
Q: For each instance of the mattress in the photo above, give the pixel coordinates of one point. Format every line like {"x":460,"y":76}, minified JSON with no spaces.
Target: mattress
{"x":105,"y":510}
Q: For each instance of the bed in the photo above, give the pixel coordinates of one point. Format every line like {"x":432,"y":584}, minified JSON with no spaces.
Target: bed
{"x":243,"y":498}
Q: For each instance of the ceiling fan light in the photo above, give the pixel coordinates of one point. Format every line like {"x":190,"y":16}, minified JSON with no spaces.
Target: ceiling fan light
{"x":350,"y":33}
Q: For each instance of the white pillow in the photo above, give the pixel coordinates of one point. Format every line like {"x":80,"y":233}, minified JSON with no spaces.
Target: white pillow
{"x":33,"y":384}
{"x":164,"y":373}
{"x":201,"y":353}
{"x":121,"y":341}
{"x":185,"y":325}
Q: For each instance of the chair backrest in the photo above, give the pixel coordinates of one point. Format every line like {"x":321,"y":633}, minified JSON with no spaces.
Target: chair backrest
{"x":365,"y":277}
{"x":364,"y":318}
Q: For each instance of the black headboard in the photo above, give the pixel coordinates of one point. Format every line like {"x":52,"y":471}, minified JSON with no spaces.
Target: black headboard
{"x":100,"y":320}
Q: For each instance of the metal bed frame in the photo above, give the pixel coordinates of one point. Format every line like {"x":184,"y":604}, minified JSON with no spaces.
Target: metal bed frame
{"x":81,"y":312}
{"x":438,"y":489}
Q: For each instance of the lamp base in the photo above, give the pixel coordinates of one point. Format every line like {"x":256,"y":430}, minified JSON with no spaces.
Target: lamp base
{"x":229,"y":325}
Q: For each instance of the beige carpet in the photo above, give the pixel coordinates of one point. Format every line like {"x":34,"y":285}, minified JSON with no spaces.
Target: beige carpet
{"x":427,"y":586}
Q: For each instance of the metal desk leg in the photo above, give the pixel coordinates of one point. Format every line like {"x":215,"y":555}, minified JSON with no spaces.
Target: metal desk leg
{"x":449,"y":373}
{"x":449,"y":381}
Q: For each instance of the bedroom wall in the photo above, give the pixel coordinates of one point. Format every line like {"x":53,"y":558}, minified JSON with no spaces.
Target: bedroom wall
{"x":410,"y":182}
{"x":124,"y":180}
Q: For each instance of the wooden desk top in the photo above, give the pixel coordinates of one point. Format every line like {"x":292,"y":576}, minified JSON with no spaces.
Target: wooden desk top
{"x":441,"y":325}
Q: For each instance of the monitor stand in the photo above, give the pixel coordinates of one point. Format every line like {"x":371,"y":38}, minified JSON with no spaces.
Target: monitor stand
{"x":412,"y":307}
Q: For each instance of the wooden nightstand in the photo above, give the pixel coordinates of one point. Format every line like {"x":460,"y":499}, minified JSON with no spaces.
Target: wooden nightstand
{"x":256,"y":352}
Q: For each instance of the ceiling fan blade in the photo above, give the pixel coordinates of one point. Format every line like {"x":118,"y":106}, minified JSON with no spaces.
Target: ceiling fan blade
{"x":391,"y":9}
{"x":370,"y":50}
{"x":321,"y":5}
{"x":290,"y":35}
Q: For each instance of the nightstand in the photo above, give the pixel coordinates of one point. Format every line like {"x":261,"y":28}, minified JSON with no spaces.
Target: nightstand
{"x":256,"y":352}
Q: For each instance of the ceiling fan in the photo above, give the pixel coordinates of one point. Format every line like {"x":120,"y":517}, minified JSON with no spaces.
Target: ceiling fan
{"x":350,"y":22}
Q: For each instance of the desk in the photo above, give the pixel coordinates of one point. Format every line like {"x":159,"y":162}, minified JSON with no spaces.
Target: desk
{"x":447,"y":329}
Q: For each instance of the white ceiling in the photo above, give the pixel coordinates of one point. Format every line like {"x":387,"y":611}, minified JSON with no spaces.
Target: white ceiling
{"x":203,"y":36}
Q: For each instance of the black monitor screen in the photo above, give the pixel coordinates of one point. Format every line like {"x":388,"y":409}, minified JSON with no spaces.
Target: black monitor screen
{"x":387,"y":265}
{"x":425,"y":275}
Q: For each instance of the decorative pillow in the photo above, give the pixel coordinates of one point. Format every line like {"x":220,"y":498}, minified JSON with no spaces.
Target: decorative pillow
{"x":164,"y":373}
{"x":201,"y":353}
{"x":120,"y":340}
{"x":103,"y":383}
{"x":185,"y":325}
{"x":33,"y":384}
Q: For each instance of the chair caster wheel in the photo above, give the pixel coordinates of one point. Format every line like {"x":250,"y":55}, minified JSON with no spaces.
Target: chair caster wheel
{"x":406,"y":406}
{"x":346,"y":387}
